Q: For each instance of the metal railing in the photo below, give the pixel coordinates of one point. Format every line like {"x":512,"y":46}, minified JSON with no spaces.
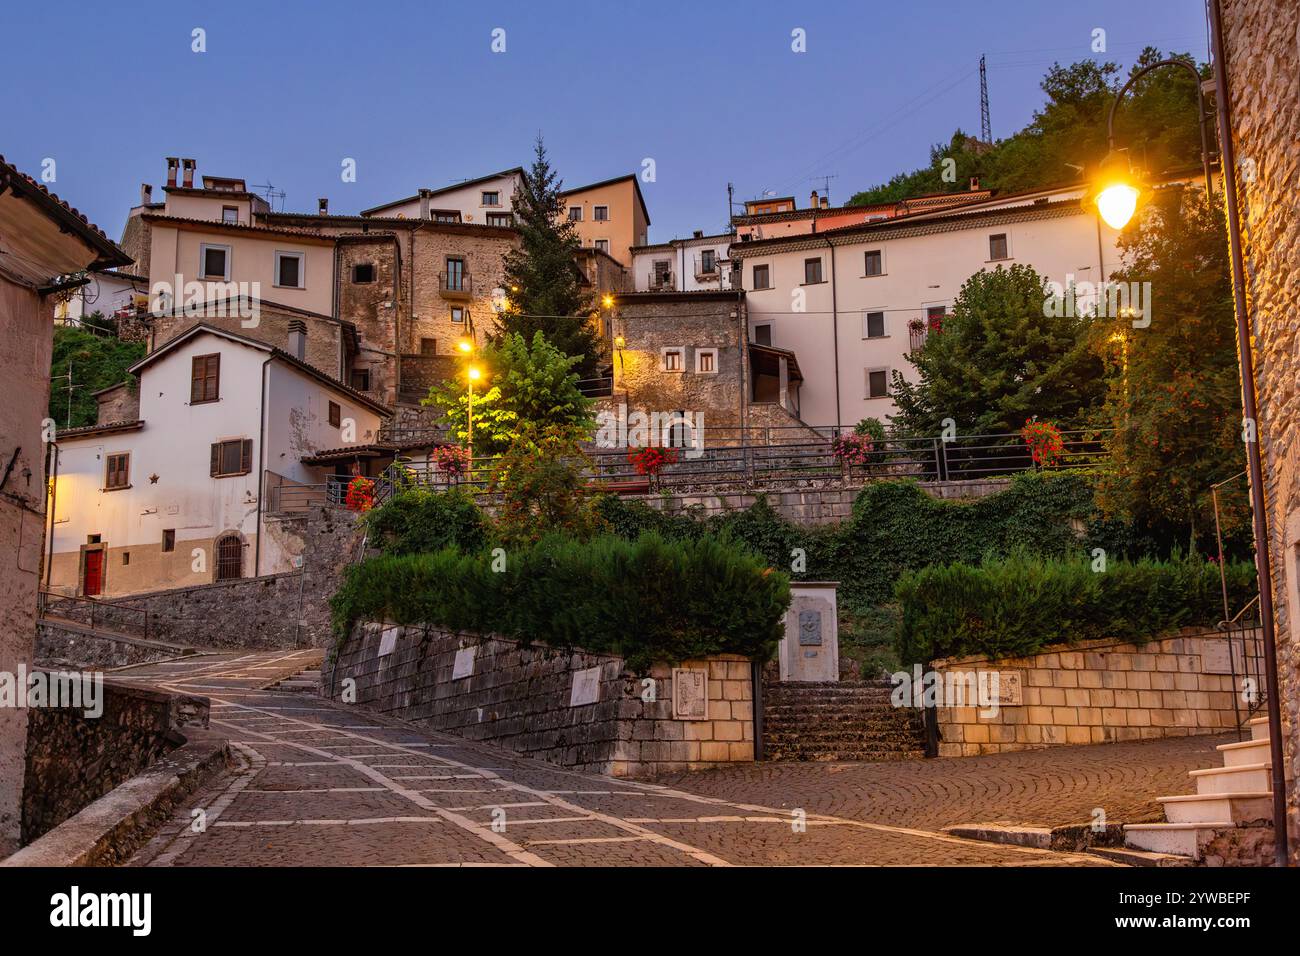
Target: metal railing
{"x":455,"y":283}
{"x":1246,"y":663}
{"x":94,"y":612}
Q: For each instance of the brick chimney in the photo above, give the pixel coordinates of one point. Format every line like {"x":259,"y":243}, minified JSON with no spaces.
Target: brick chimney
{"x":699,"y":234}
{"x":424,"y":203}
{"x":188,"y":166}
{"x":146,"y":194}
{"x":173,"y":164}
{"x":324,"y":205}
{"x":298,"y":339}
{"x":826,"y":202}
{"x":812,"y":200}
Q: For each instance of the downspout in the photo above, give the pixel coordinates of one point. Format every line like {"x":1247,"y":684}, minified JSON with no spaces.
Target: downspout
{"x":53,"y":470}
{"x":835,"y":336}
{"x":261,"y":474}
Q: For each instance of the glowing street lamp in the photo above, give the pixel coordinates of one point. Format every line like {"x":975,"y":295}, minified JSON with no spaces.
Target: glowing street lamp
{"x":465,"y":345}
{"x":473,"y":374}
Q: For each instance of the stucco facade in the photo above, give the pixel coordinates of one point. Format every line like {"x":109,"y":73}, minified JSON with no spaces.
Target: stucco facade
{"x":625,"y":222}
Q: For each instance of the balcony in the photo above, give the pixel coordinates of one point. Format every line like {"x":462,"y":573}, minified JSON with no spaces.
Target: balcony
{"x":455,"y":286}
{"x":662,"y":282}
{"x":706,"y":268}
{"x":916,"y":333}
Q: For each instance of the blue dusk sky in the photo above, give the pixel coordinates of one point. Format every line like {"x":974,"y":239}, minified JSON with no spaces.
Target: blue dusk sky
{"x":412,"y":91}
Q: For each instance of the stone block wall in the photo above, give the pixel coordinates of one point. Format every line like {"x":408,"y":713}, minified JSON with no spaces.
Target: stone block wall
{"x":1096,"y":692}
{"x":523,"y":698}
{"x":73,"y":760}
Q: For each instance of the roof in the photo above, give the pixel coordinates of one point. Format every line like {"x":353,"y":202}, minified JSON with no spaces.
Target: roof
{"x":674,"y":243}
{"x":115,"y":274}
{"x":255,"y":301}
{"x":766,"y":359}
{"x":636,"y":183}
{"x":517,"y":170}
{"x":926,"y":199}
{"x":68,"y":218}
{"x":219,"y":226}
{"x":279,"y":354}
{"x":402,"y":222}
{"x":91,"y":431}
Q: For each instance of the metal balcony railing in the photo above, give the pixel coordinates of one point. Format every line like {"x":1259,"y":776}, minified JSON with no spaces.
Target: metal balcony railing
{"x":455,"y":285}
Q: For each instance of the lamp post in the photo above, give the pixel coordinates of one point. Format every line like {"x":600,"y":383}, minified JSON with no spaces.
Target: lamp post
{"x":473,"y":375}
{"x":1117,"y":198}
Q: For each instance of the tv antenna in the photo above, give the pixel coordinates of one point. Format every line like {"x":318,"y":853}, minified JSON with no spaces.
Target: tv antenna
{"x":826,"y":185}
{"x":986,"y":127}
{"x":272,"y":194}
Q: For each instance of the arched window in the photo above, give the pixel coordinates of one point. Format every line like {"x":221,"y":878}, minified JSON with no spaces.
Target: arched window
{"x":230,"y":558}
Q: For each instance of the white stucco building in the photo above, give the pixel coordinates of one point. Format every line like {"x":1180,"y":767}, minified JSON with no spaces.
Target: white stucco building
{"x":177,"y":495}
{"x":485,"y":201}
{"x":700,"y":263}
{"x":108,"y":292}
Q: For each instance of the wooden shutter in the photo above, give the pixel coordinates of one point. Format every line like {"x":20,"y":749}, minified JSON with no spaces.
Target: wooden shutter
{"x":205,"y":378}
{"x":215,"y":467}
{"x":196,"y":379}
{"x":246,"y":456}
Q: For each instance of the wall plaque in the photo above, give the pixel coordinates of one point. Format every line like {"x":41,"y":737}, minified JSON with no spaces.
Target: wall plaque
{"x":464,"y":665}
{"x":810,"y":628}
{"x":586,"y":687}
{"x":690,"y":694}
{"x":387,"y":641}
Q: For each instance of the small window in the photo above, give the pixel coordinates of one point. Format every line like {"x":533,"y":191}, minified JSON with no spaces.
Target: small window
{"x":456,"y":276}
{"x":873,"y":325}
{"x":878,"y":383}
{"x":361,"y":379}
{"x":875,"y":263}
{"x":600,"y":213}
{"x":706,"y":361}
{"x":601,"y":245}
{"x":457,"y":314}
{"x":575,"y":214}
{"x":363,"y":272}
{"x":708,"y":261}
{"x":117,"y":472}
{"x":126,"y":558}
{"x":288,"y":270}
{"x":214,"y":261}
{"x":998,"y":246}
{"x":673,"y":360}
{"x":762,"y":277}
{"x":336,"y":415}
{"x":205,"y":378}
{"x":663,"y":269}
{"x":169,"y":540}
{"x":429,"y":346}
{"x":934,"y":316}
{"x":812,"y":271}
{"x":491,"y":198}
{"x":230,"y":558}
{"x":94,"y":539}
{"x":446,"y":215}
{"x":500,"y":219}
{"x":231,"y":458}
{"x":763,"y":334}
{"x":230,"y":214}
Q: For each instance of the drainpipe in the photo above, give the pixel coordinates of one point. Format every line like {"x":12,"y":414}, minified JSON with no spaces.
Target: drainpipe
{"x":261,"y":474}
{"x":835,"y":336}
{"x":52,"y":469}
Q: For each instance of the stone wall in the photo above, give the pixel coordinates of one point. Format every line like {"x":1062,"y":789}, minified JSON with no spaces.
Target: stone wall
{"x":1262,"y":57}
{"x":373,"y":307}
{"x":118,"y":403}
{"x":1095,"y":692}
{"x":59,"y":645}
{"x":324,"y":349}
{"x":73,"y":760}
{"x":529,"y":699}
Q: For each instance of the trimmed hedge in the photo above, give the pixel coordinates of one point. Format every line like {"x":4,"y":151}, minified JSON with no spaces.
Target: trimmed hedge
{"x":1015,"y":606}
{"x":648,"y":600}
{"x":417,"y":520}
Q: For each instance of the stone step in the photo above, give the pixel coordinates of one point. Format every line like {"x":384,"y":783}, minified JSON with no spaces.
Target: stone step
{"x":1206,"y":808}
{"x":1248,"y":778}
{"x":1179,"y":839}
{"x":1258,"y":728}
{"x":1245,"y":752}
{"x":843,"y":756}
{"x":1131,"y":857}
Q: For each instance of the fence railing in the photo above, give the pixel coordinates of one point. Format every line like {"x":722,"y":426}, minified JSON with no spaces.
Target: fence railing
{"x":94,"y":612}
{"x":1246,"y":663}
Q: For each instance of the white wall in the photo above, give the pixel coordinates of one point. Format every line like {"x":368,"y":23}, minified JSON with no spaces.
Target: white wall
{"x":103,"y":294}
{"x":467,"y":199}
{"x":298,"y":423}
{"x":682,"y":256}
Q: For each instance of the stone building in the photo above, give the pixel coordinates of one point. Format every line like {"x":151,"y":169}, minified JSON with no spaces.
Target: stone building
{"x":1262,"y":58}
{"x":42,"y":241}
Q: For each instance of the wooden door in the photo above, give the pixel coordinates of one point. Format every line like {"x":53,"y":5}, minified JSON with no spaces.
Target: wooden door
{"x":94,"y":574}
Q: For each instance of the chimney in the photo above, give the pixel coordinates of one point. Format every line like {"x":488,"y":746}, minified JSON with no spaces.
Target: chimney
{"x":424,"y":203}
{"x":812,"y":200}
{"x":974,"y":183}
{"x":699,"y":234}
{"x":188,"y":166}
{"x":146,"y":194}
{"x":298,"y":339}
{"x":172,"y":165}
{"x":324,"y":205}
{"x":826,"y":202}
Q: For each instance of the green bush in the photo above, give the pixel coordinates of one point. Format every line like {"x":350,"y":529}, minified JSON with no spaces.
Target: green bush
{"x":418,"y":520}
{"x":1013,"y":606}
{"x":647,"y":600}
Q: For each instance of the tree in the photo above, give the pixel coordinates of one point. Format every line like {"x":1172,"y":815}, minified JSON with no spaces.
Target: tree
{"x":97,"y":361}
{"x":1156,"y":122}
{"x":542,"y":490}
{"x":1001,"y":357}
{"x":527,"y":386}
{"x":543,"y":282}
{"x":1174,"y":397}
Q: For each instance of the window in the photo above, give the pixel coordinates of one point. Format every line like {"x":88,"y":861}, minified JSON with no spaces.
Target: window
{"x":491,"y":198}
{"x":336,"y":415}
{"x":934,"y":315}
{"x":361,"y":379}
{"x":126,"y":558}
{"x":94,"y":539}
{"x":363,"y":272}
{"x":877,"y":383}
{"x":457,"y":314}
{"x":169,"y":540}
{"x":205,"y":378}
{"x":663,"y":271}
{"x":875,"y":263}
{"x":998,"y":246}
{"x":230,"y":558}
{"x":812,"y":271}
{"x":117,"y":472}
{"x":601,"y":245}
{"x":289,"y":270}
{"x":455,"y":274}
{"x":762,"y":277}
{"x":708,"y":261}
{"x":600,"y":213}
{"x":873,"y":325}
{"x":673,"y":360}
{"x":214,"y":262}
{"x":231,"y":458}
{"x":429,"y":346}
{"x":763,"y":334}
{"x":706,"y":361}
{"x":500,"y":219}
{"x":446,"y":215}
{"x":575,"y":214}
{"x":230,"y":214}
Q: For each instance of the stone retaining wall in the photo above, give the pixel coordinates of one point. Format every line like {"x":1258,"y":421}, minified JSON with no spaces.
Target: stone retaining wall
{"x":531,"y":699}
{"x":58,"y":645}
{"x":1096,"y":692}
{"x":73,"y":760}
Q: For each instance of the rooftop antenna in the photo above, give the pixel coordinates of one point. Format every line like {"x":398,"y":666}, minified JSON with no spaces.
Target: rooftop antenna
{"x":986,"y":127}
{"x":826,"y":184}
{"x":272,"y":194}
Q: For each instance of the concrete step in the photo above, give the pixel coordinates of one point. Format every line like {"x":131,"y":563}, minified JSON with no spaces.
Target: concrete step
{"x":1258,"y":728}
{"x":1131,"y":857}
{"x":842,"y":756}
{"x":1179,"y":839}
{"x":1245,"y":752}
{"x":1203,"y":808}
{"x":1247,"y":778}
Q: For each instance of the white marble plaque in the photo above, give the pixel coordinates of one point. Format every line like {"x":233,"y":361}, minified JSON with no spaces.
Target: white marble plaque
{"x":586,"y":687}
{"x":1003,"y":688}
{"x":387,"y":641}
{"x":464,"y":664}
{"x":690,"y":694}
{"x":1215,"y":657}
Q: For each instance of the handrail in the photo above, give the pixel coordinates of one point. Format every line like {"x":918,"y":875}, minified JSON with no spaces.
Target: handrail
{"x":44,"y":597}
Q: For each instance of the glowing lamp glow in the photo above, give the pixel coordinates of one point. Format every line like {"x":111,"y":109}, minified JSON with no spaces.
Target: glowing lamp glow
{"x":607,"y":301}
{"x":1117,"y":203}
{"x":474,"y":374}
{"x":619,"y":343}
{"x":466,"y":345}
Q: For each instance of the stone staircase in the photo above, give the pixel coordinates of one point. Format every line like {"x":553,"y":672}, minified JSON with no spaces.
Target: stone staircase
{"x":1236,"y":795}
{"x":845,"y":720}
{"x":304,"y":682}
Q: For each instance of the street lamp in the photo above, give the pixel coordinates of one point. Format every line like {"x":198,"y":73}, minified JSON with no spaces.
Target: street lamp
{"x":473,"y":374}
{"x":465,"y":345}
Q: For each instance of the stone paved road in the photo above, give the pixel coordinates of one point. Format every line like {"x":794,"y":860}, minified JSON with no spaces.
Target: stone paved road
{"x":323,"y":784}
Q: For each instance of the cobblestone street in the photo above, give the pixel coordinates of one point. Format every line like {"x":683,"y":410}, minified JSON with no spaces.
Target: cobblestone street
{"x":320,"y":784}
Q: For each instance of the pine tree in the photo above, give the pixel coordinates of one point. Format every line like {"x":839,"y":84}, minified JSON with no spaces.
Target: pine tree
{"x":543,"y":282}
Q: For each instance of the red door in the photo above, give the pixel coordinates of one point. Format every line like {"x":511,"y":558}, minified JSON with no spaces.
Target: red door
{"x":94,"y":573}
